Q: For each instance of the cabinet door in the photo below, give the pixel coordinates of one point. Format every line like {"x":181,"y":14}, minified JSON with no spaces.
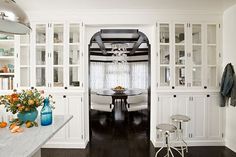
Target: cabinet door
{"x":75,"y":133}
{"x":180,"y":106}
{"x":197,"y":113}
{"x":180,"y":55}
{"x":214,"y":116}
{"x":57,"y":40}
{"x":41,"y":55}
{"x":61,"y":108}
{"x":164,"y":60}
{"x":196,"y":61}
{"x":74,"y":58}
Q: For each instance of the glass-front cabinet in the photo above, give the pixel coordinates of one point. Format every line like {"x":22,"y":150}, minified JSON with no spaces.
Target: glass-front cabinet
{"x":57,"y":55}
{"x":187,"y":55}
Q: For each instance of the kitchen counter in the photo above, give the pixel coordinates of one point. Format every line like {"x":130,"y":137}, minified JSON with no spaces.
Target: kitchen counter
{"x":29,"y":142}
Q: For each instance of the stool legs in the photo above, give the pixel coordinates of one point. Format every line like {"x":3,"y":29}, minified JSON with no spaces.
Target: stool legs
{"x":169,"y":151}
{"x":180,"y":138}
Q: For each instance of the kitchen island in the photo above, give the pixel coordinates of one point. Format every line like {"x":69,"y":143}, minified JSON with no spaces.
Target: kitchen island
{"x":29,"y":142}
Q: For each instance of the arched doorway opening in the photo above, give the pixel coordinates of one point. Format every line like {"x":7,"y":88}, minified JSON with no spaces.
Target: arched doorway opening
{"x":105,"y":72}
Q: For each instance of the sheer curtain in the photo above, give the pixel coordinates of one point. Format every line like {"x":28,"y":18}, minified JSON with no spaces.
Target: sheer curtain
{"x":109,"y":75}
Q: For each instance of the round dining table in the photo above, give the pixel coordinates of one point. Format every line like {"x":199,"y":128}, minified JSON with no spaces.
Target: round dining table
{"x":119,"y":96}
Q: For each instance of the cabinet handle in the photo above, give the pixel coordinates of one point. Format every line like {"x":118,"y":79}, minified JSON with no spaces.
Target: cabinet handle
{"x":173,"y":87}
{"x":208,"y":95}
{"x":66,"y":87}
{"x":64,"y":96}
{"x":174,"y":96}
{"x":205,"y":87}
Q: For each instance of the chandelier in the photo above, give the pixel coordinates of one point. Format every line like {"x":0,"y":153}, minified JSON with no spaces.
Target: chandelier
{"x":119,"y":51}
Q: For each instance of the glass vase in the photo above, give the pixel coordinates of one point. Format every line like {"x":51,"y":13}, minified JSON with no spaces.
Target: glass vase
{"x":46,"y":113}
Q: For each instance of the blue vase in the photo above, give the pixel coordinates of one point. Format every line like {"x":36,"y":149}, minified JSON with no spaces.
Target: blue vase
{"x":46,"y":113}
{"x":28,"y":116}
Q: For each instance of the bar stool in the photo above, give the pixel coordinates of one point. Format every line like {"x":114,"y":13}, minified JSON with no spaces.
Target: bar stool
{"x":167,"y":129}
{"x":179,"y":119}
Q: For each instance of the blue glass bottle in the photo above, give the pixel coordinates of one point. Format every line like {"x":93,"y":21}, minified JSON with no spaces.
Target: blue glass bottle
{"x":46,"y":113}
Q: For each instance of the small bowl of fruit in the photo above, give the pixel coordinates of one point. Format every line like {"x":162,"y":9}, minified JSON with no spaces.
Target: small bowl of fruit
{"x":119,"y":89}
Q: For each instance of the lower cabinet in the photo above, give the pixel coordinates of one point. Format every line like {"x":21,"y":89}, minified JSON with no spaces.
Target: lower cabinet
{"x":203,"y":109}
{"x":71,"y":135}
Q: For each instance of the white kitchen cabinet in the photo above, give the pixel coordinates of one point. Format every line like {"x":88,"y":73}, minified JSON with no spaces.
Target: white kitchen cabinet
{"x":57,"y":58}
{"x":72,"y":135}
{"x":214,"y":117}
{"x":187,"y":55}
{"x":203,"y":110}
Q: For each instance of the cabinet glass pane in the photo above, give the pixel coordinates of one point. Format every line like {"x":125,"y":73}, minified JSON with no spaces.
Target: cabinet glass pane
{"x":58,"y":55}
{"x":74,"y":55}
{"x":58,"y":77}
{"x":164,"y":76}
{"x":197,"y":76}
{"x":40,"y":76}
{"x":196,"y":34}
{"x":179,"y":55}
{"x":74,"y":76}
{"x":164,"y":54}
{"x":40,"y":55}
{"x":211,"y":73}
{"x":211,"y":34}
{"x":179,"y":33}
{"x":197,"y":55}
{"x":164,"y":33}
{"x":41,"y":33}
{"x":24,"y":39}
{"x":25,"y":77}
{"x":180,"y":76}
{"x":58,"y":33}
{"x":74,"y":33}
{"x":24,"y":55}
{"x":211,"y":55}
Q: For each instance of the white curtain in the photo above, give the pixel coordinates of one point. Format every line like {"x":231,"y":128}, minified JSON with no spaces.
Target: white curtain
{"x":110,"y":75}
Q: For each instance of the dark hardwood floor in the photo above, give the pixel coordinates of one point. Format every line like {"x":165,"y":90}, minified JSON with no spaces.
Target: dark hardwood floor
{"x":121,"y":138}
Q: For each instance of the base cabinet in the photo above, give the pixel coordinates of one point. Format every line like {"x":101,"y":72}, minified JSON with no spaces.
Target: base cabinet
{"x":203,"y":109}
{"x":72,"y":135}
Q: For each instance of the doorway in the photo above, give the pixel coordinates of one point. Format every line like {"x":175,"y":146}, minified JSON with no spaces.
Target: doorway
{"x":129,"y":69}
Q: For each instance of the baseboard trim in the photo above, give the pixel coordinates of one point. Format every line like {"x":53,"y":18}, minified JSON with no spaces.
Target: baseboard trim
{"x":65,"y":145}
{"x":231,"y":145}
{"x":195,"y":143}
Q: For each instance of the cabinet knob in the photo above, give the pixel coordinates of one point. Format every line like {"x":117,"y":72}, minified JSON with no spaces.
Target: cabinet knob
{"x":205,"y":87}
{"x":66,"y":87}
{"x":208,"y":95}
{"x":174,"y":96}
{"x":173,"y":87}
{"x":64,"y":96}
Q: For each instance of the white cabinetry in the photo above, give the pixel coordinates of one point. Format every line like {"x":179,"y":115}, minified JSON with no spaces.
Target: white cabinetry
{"x":203,"y":109}
{"x":72,"y":135}
{"x":188,"y":54}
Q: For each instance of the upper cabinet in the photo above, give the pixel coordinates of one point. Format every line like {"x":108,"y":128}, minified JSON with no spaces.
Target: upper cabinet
{"x":57,"y":55}
{"x":187,"y":55}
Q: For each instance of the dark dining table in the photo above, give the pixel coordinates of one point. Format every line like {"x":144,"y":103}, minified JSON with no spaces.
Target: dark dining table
{"x":119,"y":96}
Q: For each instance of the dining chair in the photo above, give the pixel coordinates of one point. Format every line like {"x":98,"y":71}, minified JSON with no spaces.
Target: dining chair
{"x":135,"y":104}
{"x":101,"y":103}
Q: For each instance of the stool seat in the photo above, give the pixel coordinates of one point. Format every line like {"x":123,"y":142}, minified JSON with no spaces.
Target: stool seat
{"x":166,"y":128}
{"x":180,"y":118}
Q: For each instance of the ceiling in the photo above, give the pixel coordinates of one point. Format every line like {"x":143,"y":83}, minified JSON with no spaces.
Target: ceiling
{"x":76,"y":5}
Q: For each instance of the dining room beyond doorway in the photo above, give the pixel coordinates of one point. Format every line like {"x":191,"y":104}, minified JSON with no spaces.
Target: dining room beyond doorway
{"x":119,"y":87}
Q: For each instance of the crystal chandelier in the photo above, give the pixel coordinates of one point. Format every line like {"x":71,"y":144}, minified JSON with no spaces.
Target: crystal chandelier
{"x":119,"y":51}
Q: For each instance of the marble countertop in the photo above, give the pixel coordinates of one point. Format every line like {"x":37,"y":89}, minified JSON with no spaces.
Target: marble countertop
{"x":27,"y":143}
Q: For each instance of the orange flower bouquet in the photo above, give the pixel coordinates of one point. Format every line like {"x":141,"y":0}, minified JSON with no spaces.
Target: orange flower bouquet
{"x":22,"y":102}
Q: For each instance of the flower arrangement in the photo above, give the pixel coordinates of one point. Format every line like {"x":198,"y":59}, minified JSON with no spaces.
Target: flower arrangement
{"x":22,"y":102}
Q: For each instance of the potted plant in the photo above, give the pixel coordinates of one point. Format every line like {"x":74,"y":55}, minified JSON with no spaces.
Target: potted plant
{"x":24,"y":104}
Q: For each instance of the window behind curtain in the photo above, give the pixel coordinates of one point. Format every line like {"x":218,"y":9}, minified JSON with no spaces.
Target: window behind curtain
{"x":110,"y":75}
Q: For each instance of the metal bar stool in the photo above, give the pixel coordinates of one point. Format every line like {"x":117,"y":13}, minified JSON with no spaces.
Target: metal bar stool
{"x":179,"y":119}
{"x":167,"y":129}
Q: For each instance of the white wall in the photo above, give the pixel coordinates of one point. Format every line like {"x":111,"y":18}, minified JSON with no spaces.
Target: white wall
{"x":229,"y":55}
